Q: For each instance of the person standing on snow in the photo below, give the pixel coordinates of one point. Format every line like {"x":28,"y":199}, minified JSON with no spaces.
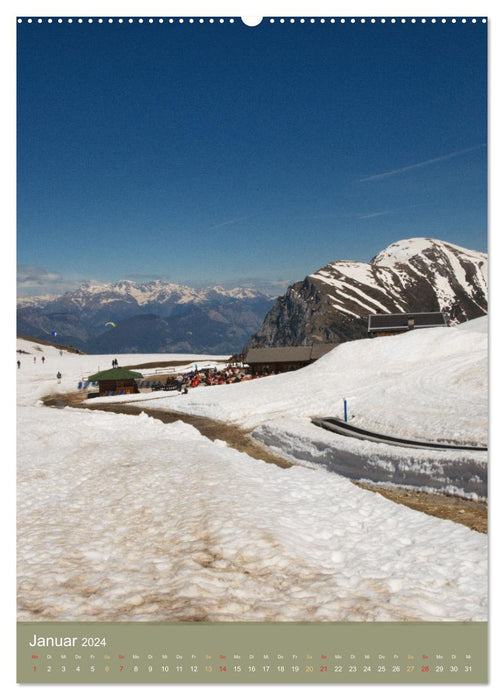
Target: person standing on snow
{"x":19,"y":364}
{"x":58,"y":377}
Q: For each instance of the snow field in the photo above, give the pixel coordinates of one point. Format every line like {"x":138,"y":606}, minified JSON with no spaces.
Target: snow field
{"x":456,"y":473}
{"x":125,"y":517}
{"x":426,"y":385}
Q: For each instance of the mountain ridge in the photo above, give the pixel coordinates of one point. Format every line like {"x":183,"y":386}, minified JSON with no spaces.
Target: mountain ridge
{"x":332,"y":304}
{"x":153,"y":316}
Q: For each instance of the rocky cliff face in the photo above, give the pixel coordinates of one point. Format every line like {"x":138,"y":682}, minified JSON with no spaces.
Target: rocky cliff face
{"x":418,"y":274}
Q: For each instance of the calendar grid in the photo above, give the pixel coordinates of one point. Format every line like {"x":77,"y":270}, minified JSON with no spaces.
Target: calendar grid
{"x":252,"y":653}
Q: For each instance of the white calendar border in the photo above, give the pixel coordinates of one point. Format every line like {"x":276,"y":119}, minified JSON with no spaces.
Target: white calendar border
{"x":225,"y":9}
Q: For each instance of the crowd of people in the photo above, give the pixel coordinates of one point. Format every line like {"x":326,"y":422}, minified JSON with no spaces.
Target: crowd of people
{"x":212,"y":377}
{"x":194,"y":378}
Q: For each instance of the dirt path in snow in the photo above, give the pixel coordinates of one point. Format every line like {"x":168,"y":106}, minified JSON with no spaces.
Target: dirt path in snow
{"x":473,"y":514}
{"x":212,"y":429}
{"x":460,"y":510}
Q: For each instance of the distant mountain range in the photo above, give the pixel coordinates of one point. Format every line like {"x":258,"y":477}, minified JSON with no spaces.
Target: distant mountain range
{"x":332,"y":305}
{"x":151,"y":317}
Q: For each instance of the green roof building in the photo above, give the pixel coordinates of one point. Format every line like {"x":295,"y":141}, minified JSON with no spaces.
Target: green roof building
{"x":116,"y":381}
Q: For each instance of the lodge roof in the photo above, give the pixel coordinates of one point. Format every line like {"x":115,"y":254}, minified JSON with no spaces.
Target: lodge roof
{"x":296,"y":353}
{"x":115,"y":373}
{"x":404,"y":321}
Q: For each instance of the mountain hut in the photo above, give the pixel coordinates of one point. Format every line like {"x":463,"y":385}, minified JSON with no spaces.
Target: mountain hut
{"x":284,"y":359}
{"x":390,"y":324}
{"x":116,"y":381}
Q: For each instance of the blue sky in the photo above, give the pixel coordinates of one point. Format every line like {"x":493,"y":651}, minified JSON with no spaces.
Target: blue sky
{"x":228,"y":154}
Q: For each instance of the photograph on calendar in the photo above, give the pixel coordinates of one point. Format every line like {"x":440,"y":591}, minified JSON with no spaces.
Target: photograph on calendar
{"x":252,"y":331}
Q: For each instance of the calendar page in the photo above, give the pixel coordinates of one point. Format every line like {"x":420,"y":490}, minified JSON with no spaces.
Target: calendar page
{"x":252,"y":349}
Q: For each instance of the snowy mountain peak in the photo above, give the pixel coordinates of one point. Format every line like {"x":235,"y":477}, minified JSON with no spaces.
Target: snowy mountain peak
{"x":413,"y":274}
{"x":155,"y":316}
{"x":35,"y":301}
{"x":155,"y":291}
{"x":404,"y":250}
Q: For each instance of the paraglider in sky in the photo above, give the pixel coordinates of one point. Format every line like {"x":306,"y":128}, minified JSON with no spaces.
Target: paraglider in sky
{"x":53,"y":333}
{"x":110,"y":323}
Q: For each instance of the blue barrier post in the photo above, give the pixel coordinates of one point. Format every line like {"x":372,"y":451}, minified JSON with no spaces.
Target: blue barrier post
{"x":345,"y":410}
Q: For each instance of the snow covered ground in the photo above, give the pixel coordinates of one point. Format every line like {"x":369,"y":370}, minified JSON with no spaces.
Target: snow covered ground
{"x":429,"y":385}
{"x":127,"y":518}
{"x":426,"y":385}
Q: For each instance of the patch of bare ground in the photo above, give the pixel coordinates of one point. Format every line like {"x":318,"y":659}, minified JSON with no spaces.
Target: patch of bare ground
{"x":212,"y":429}
{"x":472,"y":514}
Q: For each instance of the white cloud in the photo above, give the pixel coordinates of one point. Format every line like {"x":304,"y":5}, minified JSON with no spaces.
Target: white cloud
{"x":33,"y":281}
{"x":31,"y":275}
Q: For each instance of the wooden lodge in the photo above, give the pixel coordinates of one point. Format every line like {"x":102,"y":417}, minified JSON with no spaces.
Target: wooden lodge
{"x":284,"y":359}
{"x":116,"y":381}
{"x":390,"y":324}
